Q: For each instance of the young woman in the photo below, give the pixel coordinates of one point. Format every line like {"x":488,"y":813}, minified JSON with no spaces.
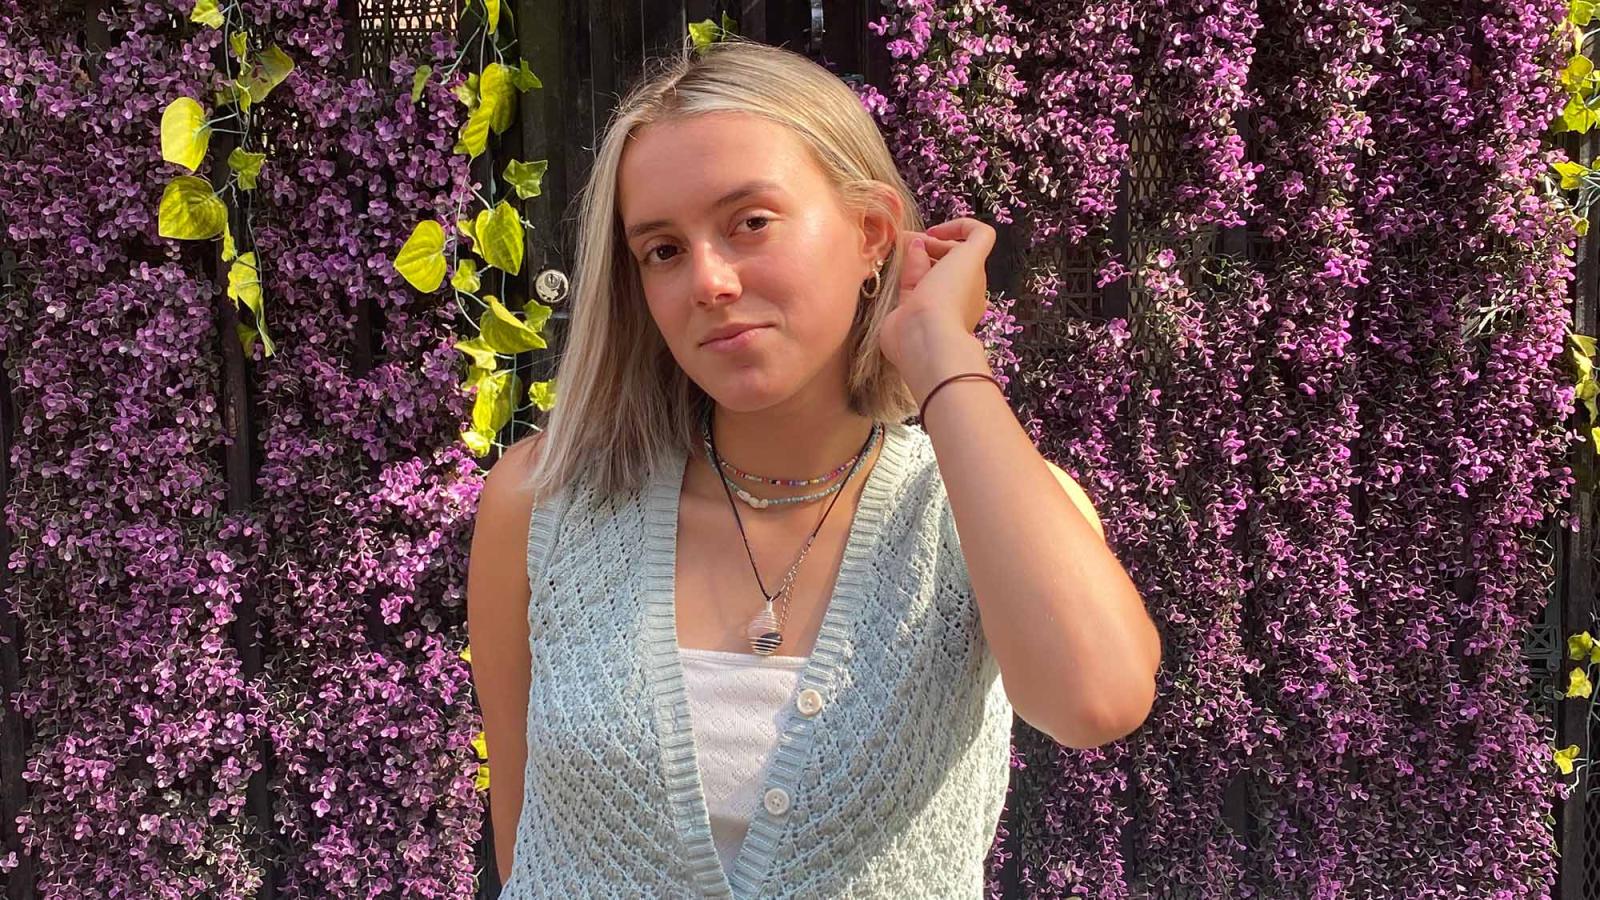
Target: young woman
{"x":739,"y":629}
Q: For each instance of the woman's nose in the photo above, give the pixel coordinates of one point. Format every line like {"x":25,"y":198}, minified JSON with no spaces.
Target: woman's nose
{"x":715,"y":277}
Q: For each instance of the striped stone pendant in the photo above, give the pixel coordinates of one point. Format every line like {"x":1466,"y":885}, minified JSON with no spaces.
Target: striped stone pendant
{"x":763,"y":632}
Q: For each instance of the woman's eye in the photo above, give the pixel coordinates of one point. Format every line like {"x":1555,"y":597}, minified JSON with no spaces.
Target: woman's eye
{"x":651,"y":257}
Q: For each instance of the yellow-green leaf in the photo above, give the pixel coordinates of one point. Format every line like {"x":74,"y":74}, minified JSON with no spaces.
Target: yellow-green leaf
{"x":229,"y":251}
{"x":466,"y":653}
{"x":184,"y":133}
{"x":526,"y":178}
{"x":247,"y":166}
{"x":543,"y":394}
{"x":481,"y":744}
{"x":239,"y":45}
{"x":1571,"y":174}
{"x":499,"y":237}
{"x":1577,"y":116}
{"x":503,"y":332}
{"x":1579,"y":645}
{"x":244,"y":282}
{"x":1580,"y":12}
{"x":1584,"y":342}
{"x":466,"y":278}
{"x":233,"y":93}
{"x":728,"y":25}
{"x":419,"y":80}
{"x":480,"y":447}
{"x":474,"y":132}
{"x":492,"y":11}
{"x":247,"y":338}
{"x":244,"y":286}
{"x":1565,"y":758}
{"x":704,"y":33}
{"x":421,"y":257}
{"x":536,"y":314}
{"x":466,"y":227}
{"x":467,"y":92}
{"x":269,"y":72}
{"x":481,"y":781}
{"x":1578,"y":684}
{"x":498,"y":95}
{"x":190,"y":210}
{"x":523,"y":77}
{"x":481,"y":354}
{"x":206,"y":13}
{"x":492,"y":408}
{"x":1578,"y":69}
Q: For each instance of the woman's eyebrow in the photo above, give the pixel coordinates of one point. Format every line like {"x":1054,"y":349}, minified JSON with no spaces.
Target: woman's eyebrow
{"x":739,"y":193}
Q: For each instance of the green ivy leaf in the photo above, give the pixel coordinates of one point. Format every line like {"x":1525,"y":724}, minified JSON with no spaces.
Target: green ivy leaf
{"x":523,"y":78}
{"x":703,"y":33}
{"x":269,"y":72}
{"x":1565,"y":758}
{"x":229,"y":251}
{"x":1578,"y":684}
{"x":190,"y":210}
{"x":1580,"y":12}
{"x":481,"y":354}
{"x":1571,"y":174}
{"x":420,"y":80}
{"x":525,"y":177}
{"x":467,"y":92}
{"x":503,"y":332}
{"x":184,"y":133}
{"x":1577,"y":116}
{"x":492,"y":11}
{"x":536,"y":314}
{"x":206,"y":13}
{"x":239,"y":45}
{"x":244,"y":286}
{"x":233,"y":93}
{"x":477,"y":443}
{"x":247,"y":166}
{"x":247,"y":338}
{"x":466,"y":278}
{"x":499,"y":237}
{"x":499,"y":96}
{"x":466,"y":227}
{"x":421,"y":258}
{"x":474,"y":132}
{"x":492,"y":408}
{"x":728,"y":25}
{"x":543,"y":394}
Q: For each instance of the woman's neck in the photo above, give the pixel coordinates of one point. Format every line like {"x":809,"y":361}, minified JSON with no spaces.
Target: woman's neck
{"x":789,"y":442}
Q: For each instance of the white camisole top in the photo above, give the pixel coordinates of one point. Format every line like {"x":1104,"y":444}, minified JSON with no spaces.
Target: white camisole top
{"x":736,"y":704}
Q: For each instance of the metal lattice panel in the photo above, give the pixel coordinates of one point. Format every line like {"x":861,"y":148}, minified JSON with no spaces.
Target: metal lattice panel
{"x":388,"y":28}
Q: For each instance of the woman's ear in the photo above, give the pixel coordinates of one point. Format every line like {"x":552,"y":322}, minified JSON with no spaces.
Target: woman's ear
{"x":879,"y":222}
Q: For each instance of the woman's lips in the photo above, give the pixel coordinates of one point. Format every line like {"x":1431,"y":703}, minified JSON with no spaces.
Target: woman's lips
{"x":737,"y":342}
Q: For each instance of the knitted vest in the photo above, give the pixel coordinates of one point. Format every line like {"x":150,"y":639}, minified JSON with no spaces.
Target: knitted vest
{"x":890,"y":773}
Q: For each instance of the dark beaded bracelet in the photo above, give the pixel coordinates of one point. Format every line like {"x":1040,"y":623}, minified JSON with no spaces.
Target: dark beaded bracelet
{"x":923,"y":409}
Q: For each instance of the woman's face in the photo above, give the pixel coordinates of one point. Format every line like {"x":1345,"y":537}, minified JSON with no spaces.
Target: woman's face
{"x":730,"y":223}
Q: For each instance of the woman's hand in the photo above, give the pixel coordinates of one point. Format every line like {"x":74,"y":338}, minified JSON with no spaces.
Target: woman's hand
{"x":943,"y":294}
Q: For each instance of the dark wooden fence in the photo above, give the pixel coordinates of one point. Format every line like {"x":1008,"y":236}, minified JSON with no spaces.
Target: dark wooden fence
{"x":586,"y":54}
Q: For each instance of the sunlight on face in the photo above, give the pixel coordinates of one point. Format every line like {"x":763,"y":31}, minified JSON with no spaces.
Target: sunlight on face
{"x":728,"y":221}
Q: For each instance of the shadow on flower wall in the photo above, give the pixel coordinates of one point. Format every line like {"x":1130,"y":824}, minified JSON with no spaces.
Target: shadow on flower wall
{"x":1329,"y":476}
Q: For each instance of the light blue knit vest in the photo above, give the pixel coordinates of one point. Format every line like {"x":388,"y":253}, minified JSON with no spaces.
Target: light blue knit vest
{"x":889,"y":775}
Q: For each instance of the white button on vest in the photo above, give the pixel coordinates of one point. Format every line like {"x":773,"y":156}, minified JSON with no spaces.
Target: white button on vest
{"x":776,"y":801}
{"x":809,"y":702}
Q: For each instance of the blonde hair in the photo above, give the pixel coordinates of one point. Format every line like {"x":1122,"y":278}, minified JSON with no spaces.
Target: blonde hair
{"x":623,"y":402}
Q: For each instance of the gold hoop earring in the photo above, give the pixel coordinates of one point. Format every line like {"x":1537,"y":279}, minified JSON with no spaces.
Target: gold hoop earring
{"x":877,"y":282}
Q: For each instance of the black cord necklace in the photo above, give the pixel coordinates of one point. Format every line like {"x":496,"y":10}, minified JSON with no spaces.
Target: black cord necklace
{"x":765,"y":631}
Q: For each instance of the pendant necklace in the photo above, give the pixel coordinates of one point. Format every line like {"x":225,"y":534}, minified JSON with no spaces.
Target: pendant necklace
{"x":765,"y":631}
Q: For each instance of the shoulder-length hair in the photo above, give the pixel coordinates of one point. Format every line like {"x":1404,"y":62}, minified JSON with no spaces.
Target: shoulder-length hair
{"x":623,"y":402}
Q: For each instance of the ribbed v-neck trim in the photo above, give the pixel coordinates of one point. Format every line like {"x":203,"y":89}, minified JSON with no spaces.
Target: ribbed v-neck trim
{"x":669,"y":700}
